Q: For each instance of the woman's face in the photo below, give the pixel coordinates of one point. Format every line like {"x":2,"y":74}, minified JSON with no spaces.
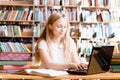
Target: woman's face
{"x":59,"y":28}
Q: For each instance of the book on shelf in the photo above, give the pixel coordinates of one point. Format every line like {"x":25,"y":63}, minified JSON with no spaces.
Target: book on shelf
{"x":14,"y":67}
{"x":15,"y":56}
{"x":18,"y":17}
{"x":42,"y":72}
{"x":115,"y":66}
{"x":25,"y":15}
{"x":30,"y":15}
{"x":115,"y":59}
{"x":8,"y":2}
{"x":14,"y":47}
{"x":3,"y":62}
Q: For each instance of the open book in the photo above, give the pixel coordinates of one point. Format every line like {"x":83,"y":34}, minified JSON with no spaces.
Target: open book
{"x":42,"y":72}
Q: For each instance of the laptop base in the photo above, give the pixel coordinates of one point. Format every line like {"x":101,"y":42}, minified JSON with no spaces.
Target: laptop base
{"x":77,"y":72}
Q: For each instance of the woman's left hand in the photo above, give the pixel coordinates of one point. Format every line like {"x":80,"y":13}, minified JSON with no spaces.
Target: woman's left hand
{"x":82,"y":66}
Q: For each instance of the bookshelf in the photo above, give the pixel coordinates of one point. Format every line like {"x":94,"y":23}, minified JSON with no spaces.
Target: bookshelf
{"x":16,"y":35}
{"x":97,"y":18}
{"x":99,"y":22}
{"x":22,"y":21}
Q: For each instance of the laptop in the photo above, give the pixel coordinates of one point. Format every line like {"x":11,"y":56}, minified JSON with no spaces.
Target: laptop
{"x":99,"y":61}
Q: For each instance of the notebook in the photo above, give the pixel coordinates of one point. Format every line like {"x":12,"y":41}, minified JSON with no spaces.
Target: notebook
{"x":99,"y":61}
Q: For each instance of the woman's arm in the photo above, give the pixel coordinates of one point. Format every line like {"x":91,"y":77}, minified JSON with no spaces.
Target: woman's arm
{"x":46,"y":59}
{"x":75,"y":58}
{"x":49,"y":63}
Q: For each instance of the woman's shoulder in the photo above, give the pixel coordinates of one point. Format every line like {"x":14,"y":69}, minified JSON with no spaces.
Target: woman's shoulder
{"x":72,"y":41}
{"x":42,"y":43}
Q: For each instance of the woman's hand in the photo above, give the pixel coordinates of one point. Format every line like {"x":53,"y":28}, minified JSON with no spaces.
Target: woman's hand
{"x":82,"y":66}
{"x":79,"y":66}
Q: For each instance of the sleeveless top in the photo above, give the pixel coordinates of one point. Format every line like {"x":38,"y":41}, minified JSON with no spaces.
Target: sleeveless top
{"x":57,"y":51}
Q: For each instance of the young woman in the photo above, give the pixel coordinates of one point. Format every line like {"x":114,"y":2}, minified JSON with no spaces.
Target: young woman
{"x":55,"y":48}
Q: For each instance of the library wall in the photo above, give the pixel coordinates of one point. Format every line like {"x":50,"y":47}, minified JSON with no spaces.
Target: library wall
{"x":93,"y":22}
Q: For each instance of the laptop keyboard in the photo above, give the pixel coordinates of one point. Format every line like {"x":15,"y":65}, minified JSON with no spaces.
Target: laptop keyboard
{"x":78,"y":72}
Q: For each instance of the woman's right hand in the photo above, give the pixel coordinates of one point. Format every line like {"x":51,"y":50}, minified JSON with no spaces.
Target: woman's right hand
{"x":79,"y":66}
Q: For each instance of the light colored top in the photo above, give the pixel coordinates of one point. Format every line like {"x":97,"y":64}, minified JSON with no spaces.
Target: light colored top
{"x":57,"y":51}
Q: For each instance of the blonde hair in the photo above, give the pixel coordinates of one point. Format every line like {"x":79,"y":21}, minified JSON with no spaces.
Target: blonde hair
{"x":48,"y":35}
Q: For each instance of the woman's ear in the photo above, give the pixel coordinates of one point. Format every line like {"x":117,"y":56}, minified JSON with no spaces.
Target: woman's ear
{"x":50,"y":26}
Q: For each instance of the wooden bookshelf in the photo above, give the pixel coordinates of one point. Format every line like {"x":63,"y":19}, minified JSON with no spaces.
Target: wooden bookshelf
{"x":32,"y":7}
{"x":78,"y":24}
{"x":16,"y":34}
{"x":97,"y":18}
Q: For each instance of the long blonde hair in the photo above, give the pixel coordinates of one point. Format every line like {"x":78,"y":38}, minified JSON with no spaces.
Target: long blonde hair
{"x":47,"y":35}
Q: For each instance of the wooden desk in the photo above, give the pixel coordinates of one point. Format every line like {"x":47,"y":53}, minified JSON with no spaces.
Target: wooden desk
{"x":94,"y":76}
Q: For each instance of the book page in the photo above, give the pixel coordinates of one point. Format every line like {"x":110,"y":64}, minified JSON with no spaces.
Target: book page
{"x":46,"y":72}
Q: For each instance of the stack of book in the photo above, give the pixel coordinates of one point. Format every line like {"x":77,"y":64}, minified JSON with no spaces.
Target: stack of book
{"x":14,"y":61}
{"x":115,"y":63}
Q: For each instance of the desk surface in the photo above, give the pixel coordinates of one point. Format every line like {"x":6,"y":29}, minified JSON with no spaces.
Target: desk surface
{"x":93,"y":76}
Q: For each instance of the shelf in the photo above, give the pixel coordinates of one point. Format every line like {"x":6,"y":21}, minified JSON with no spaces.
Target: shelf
{"x":20,"y":5}
{"x":89,"y":23}
{"x":16,"y":3}
{"x":70,"y":6}
{"x":16,"y":20}
{"x":94,"y":8}
{"x":17,"y":52}
{"x":39,"y":5}
{"x":16,"y":36}
{"x":74,"y":22}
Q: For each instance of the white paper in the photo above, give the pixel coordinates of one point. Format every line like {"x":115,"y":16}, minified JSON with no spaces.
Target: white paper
{"x":46,"y":72}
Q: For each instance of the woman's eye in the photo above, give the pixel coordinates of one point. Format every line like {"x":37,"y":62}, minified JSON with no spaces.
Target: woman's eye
{"x":59,"y":26}
{"x":65,"y":26}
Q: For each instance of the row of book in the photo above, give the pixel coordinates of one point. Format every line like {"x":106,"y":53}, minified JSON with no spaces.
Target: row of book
{"x":71,"y":14}
{"x":16,"y":39}
{"x":16,"y":14}
{"x":40,"y":14}
{"x":19,"y":30}
{"x":96,"y":16}
{"x":14,"y":30}
{"x":13,"y":47}
{"x":115,"y":16}
{"x":7,"y":2}
{"x":14,"y":61}
{"x":56,"y":2}
{"x":101,"y":3}
{"x":85,"y":45}
{"x":97,"y":31}
{"x":115,"y":63}
{"x":88,"y":3}
{"x":114,"y":3}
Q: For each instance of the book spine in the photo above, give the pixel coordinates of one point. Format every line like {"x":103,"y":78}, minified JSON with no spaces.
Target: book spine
{"x":13,"y":62}
{"x":15,"y":56}
{"x":115,"y":66}
{"x":14,"y":67}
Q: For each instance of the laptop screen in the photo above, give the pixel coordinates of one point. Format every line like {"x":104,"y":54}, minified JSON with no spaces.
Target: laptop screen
{"x":100,"y":59}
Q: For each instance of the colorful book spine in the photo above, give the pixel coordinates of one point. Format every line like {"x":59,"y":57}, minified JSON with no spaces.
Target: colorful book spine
{"x":115,"y":66}
{"x":13,"y":62}
{"x":15,"y":56}
{"x":14,"y":67}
